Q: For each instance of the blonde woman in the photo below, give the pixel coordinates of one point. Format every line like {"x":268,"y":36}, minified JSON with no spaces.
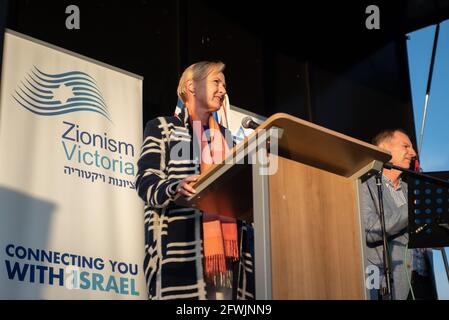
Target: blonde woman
{"x":191,"y":254}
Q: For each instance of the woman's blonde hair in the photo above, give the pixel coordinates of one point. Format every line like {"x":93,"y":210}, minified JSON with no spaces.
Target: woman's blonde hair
{"x":196,"y":72}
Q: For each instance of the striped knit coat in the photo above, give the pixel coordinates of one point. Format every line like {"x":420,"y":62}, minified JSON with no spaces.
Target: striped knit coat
{"x":173,"y":261}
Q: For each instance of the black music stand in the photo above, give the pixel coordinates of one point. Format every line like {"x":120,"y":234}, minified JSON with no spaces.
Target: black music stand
{"x":428,"y":209}
{"x":428,"y":215}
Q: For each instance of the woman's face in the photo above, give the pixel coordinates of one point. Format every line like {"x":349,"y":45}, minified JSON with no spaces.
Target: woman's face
{"x":210,"y":92}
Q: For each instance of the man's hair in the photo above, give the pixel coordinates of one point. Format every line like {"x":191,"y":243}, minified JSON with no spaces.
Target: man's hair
{"x":386,"y":135}
{"x":196,"y":72}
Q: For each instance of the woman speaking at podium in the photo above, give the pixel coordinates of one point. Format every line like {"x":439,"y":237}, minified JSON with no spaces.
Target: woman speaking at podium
{"x":191,"y":254}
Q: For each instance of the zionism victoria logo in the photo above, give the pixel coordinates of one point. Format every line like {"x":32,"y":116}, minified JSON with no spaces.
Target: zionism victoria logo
{"x":49,"y":94}
{"x":53,"y":94}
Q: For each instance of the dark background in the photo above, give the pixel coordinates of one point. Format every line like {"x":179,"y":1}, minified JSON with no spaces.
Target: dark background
{"x":315,"y":60}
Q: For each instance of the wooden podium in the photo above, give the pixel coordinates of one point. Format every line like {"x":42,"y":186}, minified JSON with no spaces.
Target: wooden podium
{"x":309,"y":238}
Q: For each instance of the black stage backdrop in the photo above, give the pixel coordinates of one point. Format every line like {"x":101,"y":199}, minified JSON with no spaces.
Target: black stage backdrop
{"x":315,"y":60}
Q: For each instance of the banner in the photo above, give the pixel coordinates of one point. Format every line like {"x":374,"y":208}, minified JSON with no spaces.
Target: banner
{"x":71,"y":223}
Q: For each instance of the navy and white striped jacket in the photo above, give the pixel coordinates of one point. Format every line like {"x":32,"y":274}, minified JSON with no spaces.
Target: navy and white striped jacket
{"x":173,"y":262}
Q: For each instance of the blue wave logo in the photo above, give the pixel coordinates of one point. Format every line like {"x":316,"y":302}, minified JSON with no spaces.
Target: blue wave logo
{"x":55,"y":94}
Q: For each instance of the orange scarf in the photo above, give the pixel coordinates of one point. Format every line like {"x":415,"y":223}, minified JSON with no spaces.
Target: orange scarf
{"x":219,"y":233}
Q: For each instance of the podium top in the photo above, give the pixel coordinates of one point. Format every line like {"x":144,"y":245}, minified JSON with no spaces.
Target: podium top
{"x":322,"y":148}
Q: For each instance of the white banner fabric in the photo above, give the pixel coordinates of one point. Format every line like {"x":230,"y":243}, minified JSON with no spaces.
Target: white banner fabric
{"x":71,"y":223}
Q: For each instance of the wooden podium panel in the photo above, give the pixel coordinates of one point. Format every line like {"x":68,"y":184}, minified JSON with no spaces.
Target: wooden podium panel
{"x":315,"y":238}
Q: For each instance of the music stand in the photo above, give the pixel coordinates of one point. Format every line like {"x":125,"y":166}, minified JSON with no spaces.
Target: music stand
{"x":428,"y":211}
{"x":428,"y":214}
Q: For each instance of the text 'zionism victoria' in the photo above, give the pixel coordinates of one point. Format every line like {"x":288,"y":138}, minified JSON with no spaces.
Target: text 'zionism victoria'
{"x":75,"y":141}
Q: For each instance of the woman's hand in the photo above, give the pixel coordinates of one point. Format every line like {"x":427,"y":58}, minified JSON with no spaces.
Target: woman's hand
{"x":184,"y":188}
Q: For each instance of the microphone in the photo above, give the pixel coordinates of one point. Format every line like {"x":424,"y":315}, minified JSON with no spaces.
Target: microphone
{"x":388,"y":165}
{"x":414,"y":166}
{"x":249,"y":123}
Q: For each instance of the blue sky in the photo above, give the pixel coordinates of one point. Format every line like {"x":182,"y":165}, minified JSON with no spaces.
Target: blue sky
{"x":434,"y":155}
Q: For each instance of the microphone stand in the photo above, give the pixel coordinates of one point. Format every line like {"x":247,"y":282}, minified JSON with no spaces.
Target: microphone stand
{"x":436,"y":180}
{"x":386,"y":251}
{"x":445,"y":183}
